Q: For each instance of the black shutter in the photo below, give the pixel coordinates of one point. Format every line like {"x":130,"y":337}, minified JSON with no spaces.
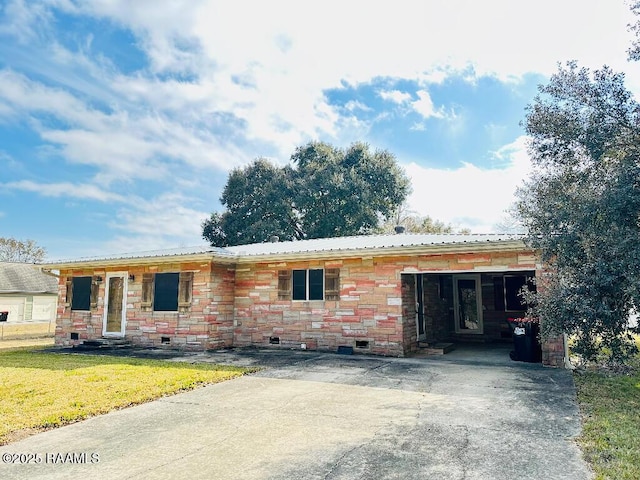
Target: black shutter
{"x":165,"y":295}
{"x":81,"y":299}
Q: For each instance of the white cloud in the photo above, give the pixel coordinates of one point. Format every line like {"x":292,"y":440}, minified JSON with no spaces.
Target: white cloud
{"x":354,"y":105}
{"x":271,"y":68}
{"x":282,"y":101}
{"x":228,"y":81}
{"x":469,"y":196}
{"x":66,"y":189}
{"x":395,"y":96}
{"x":122,"y":144}
{"x":424,"y":105}
{"x":164,"y":221}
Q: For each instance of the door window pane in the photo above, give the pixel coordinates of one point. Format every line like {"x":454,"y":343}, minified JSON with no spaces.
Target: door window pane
{"x":114,"y":305}
{"x":468,"y":305}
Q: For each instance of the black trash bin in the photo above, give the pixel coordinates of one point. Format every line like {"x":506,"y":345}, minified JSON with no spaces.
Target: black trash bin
{"x":4,"y":316}
{"x":526,"y":346}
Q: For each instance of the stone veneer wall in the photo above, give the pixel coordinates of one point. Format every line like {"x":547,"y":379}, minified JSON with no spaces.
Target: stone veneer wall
{"x":239,"y":306}
{"x":206,"y":324}
{"x":369,"y":309}
{"x":553,"y":348}
{"x":376,"y":305}
{"x":409,"y":300}
{"x":553,"y":351}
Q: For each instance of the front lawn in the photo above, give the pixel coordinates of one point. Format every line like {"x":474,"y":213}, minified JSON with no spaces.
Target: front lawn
{"x":41,"y":390}
{"x":610,"y":406}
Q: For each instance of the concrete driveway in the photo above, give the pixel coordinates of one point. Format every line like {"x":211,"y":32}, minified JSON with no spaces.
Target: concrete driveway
{"x":467,"y":415}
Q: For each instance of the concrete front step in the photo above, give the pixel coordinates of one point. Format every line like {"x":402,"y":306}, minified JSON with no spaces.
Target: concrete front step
{"x":436,"y":348}
{"x":104,"y":343}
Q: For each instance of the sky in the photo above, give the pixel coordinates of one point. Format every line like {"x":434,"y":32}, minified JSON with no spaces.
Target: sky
{"x":120,"y":120}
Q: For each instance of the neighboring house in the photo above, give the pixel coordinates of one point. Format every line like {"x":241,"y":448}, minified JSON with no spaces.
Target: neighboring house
{"x":381,"y":294}
{"x":27,"y":293}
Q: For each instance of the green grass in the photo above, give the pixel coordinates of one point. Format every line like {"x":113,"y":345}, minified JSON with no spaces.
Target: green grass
{"x":41,"y":390}
{"x":610,"y":405}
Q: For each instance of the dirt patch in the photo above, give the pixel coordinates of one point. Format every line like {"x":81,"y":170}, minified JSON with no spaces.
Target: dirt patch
{"x":18,"y":435}
{"x":27,"y":342}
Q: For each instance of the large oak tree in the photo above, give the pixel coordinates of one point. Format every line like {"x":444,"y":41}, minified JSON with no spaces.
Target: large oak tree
{"x":581,"y":208}
{"x":325,"y":192}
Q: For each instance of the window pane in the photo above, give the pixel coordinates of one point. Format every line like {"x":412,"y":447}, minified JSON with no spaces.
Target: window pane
{"x":165,"y":295}
{"x":299,"y":284}
{"x":114,"y":304}
{"x":316,"y":284}
{"x":468,"y":305}
{"x":81,"y":299}
{"x":512,"y":285}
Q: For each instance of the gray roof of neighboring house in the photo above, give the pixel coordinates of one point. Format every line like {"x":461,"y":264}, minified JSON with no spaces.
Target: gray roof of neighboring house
{"x":305,"y":247}
{"x":25,"y":278}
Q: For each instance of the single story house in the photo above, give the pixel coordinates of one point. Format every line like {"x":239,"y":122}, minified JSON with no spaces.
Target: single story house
{"x":379,"y":294}
{"x":27,"y":293}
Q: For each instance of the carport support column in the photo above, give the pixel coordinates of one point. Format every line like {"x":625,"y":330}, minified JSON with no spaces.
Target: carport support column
{"x":553,"y":351}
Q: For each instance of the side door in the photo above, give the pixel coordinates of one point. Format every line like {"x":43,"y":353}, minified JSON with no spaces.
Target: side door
{"x":115,"y":306}
{"x":467,"y":303}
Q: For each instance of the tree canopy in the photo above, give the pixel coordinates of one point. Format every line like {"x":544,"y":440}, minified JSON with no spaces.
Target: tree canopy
{"x":581,"y":208}
{"x":412,"y":222}
{"x":325,"y":192}
{"x":27,"y":251}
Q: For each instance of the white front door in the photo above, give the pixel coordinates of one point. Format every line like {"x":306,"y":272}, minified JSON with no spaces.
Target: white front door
{"x":115,"y":305}
{"x":467,"y":303}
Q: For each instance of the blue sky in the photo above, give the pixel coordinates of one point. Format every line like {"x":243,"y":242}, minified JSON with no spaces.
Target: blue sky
{"x":120,"y":120}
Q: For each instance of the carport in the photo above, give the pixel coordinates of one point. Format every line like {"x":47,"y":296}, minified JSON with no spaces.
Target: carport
{"x":464,"y":307}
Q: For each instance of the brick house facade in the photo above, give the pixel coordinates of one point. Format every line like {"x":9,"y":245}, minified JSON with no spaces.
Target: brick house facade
{"x":383,"y":295}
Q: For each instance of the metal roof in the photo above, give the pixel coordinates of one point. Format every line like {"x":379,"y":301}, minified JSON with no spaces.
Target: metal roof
{"x":367,"y":242}
{"x":393,"y":243}
{"x":167,"y":252}
{"x":25,"y":278}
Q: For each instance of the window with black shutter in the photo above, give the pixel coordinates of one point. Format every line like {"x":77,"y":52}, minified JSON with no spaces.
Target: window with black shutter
{"x":165,"y":292}
{"x":80,"y":293}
